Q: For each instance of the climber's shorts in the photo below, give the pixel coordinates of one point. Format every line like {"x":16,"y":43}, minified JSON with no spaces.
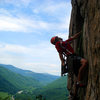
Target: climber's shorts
{"x":75,"y":63}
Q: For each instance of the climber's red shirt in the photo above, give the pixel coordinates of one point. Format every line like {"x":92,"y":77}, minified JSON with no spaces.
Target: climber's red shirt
{"x":64,"y":47}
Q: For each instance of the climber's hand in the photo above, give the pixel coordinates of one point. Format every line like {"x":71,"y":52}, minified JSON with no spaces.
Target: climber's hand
{"x":76,"y":35}
{"x":63,"y":63}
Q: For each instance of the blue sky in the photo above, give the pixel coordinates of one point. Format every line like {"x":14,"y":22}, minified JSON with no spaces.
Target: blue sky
{"x":26,"y":27}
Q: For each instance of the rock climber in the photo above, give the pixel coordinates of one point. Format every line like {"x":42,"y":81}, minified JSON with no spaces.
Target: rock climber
{"x":65,"y":48}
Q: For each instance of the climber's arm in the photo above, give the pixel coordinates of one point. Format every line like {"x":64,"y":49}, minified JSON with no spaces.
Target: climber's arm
{"x":76,"y":35}
{"x":62,"y":59}
{"x":73,"y":37}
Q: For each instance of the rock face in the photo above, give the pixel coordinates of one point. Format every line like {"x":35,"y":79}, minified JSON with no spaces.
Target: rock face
{"x":85,"y":16}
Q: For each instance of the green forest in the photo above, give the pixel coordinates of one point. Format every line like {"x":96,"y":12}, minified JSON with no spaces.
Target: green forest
{"x":15,"y":86}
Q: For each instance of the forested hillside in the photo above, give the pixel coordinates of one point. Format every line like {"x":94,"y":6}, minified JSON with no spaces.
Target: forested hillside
{"x":25,"y":87}
{"x":12,"y":82}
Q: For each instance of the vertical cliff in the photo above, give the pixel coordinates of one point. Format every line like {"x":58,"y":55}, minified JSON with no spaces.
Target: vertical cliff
{"x":85,"y":16}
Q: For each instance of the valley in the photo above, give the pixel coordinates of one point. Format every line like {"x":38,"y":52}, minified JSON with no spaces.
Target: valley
{"x":26,"y":85}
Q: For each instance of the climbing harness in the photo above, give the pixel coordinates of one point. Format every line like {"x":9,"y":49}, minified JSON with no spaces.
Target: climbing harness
{"x":65,"y":48}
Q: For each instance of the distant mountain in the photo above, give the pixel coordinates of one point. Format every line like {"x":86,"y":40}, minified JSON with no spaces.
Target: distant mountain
{"x":43,"y":78}
{"x":12,"y":82}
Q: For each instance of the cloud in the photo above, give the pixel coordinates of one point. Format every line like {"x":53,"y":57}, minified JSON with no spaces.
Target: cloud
{"x":54,"y":11}
{"x":52,"y":7}
{"x":19,"y":24}
{"x":14,"y":48}
{"x":16,"y":3}
{"x":41,"y":58}
{"x":16,"y":20}
{"x":33,"y":16}
{"x":44,"y":68}
{"x":4,"y":12}
{"x":43,"y":49}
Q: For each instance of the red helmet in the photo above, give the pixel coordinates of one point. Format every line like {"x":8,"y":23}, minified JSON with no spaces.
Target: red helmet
{"x":54,"y":39}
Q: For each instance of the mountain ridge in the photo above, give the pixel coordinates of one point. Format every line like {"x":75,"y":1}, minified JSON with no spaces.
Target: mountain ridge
{"x":41,"y":77}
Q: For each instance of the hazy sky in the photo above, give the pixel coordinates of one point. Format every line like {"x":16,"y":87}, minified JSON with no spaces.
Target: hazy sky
{"x":26,"y":27}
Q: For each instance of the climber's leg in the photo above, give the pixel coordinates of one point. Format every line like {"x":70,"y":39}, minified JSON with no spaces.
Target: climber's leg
{"x":82,"y":69}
